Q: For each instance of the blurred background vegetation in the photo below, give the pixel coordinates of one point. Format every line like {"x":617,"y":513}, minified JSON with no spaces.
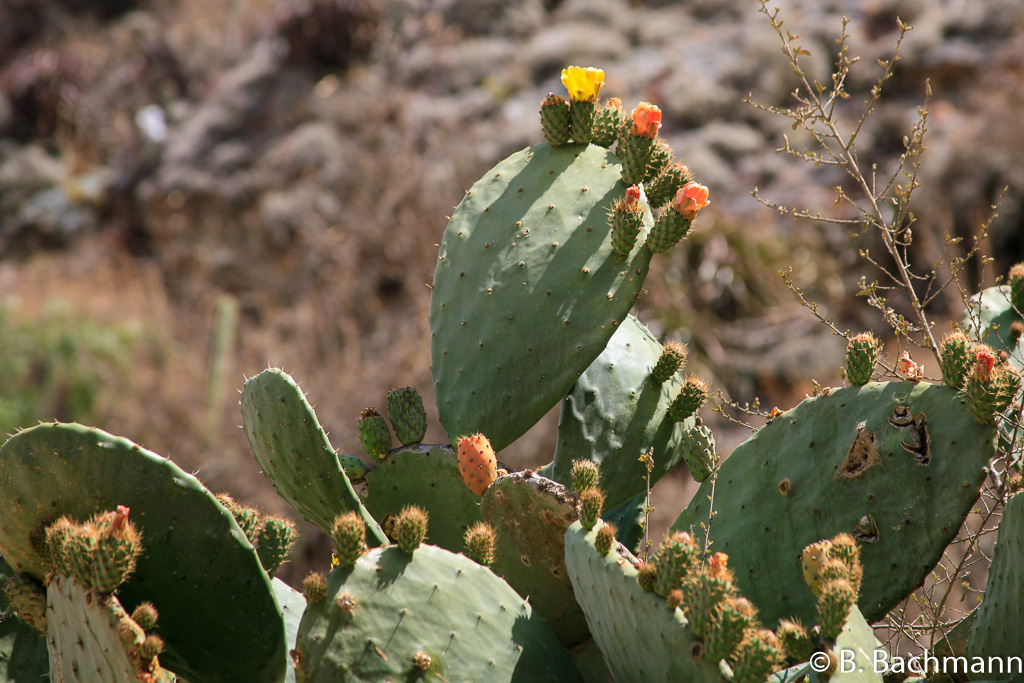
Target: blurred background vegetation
{"x":191,"y":190}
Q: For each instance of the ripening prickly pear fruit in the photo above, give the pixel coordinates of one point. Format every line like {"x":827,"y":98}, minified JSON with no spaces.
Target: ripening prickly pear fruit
{"x":480,"y":541}
{"x":691,"y":397}
{"x":730,"y":620}
{"x":591,"y":504}
{"x":703,"y":591}
{"x":585,"y":474}
{"x":797,"y":645}
{"x":1007,"y":387}
{"x":956,"y":359}
{"x":982,"y":389}
{"x":637,"y":142}
{"x":834,"y":603}
{"x":699,"y":452}
{"x":27,"y":600}
{"x":756,"y":656}
{"x":276,"y":539}
{"x":314,"y":587}
{"x":146,"y":616}
{"x":1016,"y":280}
{"x":118,"y":545}
{"x":665,"y":186}
{"x":627,"y":221}
{"x":477,"y":464}
{"x":844,"y":547}
{"x":672,"y":358}
{"x":410,"y":528}
{"x":812,"y":559}
{"x":408,"y":417}
{"x":374,"y":434}
{"x":605,"y":538}
{"x":676,"y":559}
{"x":862,"y":353}
{"x":355,"y":469}
{"x":349,"y":536}
{"x":609,"y":123}
{"x":554,"y":119}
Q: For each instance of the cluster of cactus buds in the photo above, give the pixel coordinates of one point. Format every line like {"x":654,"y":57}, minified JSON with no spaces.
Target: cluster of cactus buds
{"x":833,"y":571}
{"x":273,"y":537}
{"x":100,"y":553}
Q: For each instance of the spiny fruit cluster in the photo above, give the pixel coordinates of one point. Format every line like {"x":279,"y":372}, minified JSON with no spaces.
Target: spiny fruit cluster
{"x":989,"y":383}
{"x":273,"y":537}
{"x":833,"y":571}
{"x":100,"y":553}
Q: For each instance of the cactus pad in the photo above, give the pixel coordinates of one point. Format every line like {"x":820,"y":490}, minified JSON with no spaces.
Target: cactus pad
{"x":380,"y":615}
{"x":898,"y":465}
{"x":525,"y":272}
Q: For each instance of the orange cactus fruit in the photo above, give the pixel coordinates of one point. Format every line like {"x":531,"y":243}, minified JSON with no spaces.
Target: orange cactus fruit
{"x":477,"y":463}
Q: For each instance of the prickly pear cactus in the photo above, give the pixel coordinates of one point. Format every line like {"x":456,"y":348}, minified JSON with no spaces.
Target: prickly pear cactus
{"x":295,"y":453}
{"x":898,"y":465}
{"x":641,"y":638}
{"x":990,"y":316}
{"x":527,"y":289}
{"x":23,"y":654}
{"x":616,"y":412}
{"x":427,"y":476}
{"x":530,"y":515}
{"x":432,"y":615}
{"x":217,"y":610}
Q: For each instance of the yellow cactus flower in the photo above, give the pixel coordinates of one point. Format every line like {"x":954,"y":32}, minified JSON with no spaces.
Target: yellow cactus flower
{"x":583,"y":83}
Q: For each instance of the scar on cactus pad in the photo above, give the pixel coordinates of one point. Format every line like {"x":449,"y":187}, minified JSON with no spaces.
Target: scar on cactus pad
{"x":477,"y":463}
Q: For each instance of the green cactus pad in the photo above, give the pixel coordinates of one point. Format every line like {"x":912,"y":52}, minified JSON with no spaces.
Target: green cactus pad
{"x":426,"y":476}
{"x":85,"y":643}
{"x":858,"y":639}
{"x":23,"y":655}
{"x":293,"y":604}
{"x":998,"y":630}
{"x":527,"y":289}
{"x":628,"y":518}
{"x":642,"y":640}
{"x":393,"y":605}
{"x":989,"y":316}
{"x":615,"y":413}
{"x":217,"y":611}
{"x":530,"y":515}
{"x":896,"y":464}
{"x":295,"y":454}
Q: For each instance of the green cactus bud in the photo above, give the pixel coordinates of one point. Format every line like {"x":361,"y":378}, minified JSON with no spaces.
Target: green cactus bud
{"x":590,"y":506}
{"x":699,"y":452}
{"x":581,"y":120}
{"x":691,"y":397}
{"x":57,"y":535}
{"x":956,"y":359}
{"x":676,"y":559}
{"x":605,"y":539}
{"x":664,"y":187}
{"x":756,"y":656}
{"x":151,"y":647}
{"x":1016,"y":280}
{"x":27,"y":600}
{"x":668,"y":230}
{"x":80,"y":546}
{"x":314,"y":587}
{"x":609,"y":123}
{"x":730,"y":620}
{"x":646,"y":575}
{"x":982,"y":388}
{"x":672,"y":358}
{"x":117,"y":547}
{"x":247,"y":518}
{"x":585,"y":475}
{"x":834,"y":603}
{"x":421,"y":660}
{"x":1007,"y":387}
{"x":1016,"y":332}
{"x":355,"y":469}
{"x":145,"y":615}
{"x":674,"y":598}
{"x":844,"y":547}
{"x":349,"y":536}
{"x":627,"y":221}
{"x":480,"y":541}
{"x":660,"y":159}
{"x":704,"y":591}
{"x":635,"y":151}
{"x":796,"y":643}
{"x":374,"y":434}
{"x":408,"y":417}
{"x":410,"y":528}
{"x":862,"y":353}
{"x":276,"y":539}
{"x":554,"y":119}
